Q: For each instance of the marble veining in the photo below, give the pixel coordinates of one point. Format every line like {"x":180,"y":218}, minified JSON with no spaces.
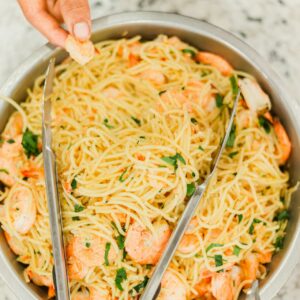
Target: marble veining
{"x":270,"y":26}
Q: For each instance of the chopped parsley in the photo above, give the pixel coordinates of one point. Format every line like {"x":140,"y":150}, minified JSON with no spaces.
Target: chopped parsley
{"x":219,"y":100}
{"x":120,"y":241}
{"x":190,"y":189}
{"x":11,"y":141}
{"x":137,"y":121}
{"x":78,"y":208}
{"x":231,"y":138}
{"x":149,"y":266}
{"x":201,"y":148}
{"x":233,"y":154}
{"x":30,"y":143}
{"x":74,"y":184}
{"x":75,"y":218}
{"x":173,"y":160}
{"x":88,"y":245}
{"x":141,"y":285}
{"x":194,"y":121}
{"x":213,"y":245}
{"x":161,"y":92}
{"x":120,"y":277}
{"x":279,"y":243}
{"x":107,"y":248}
{"x":218,"y":260}
{"x":121,"y":178}
{"x":240,"y":217}
{"x":265,"y":123}
{"x":189,"y":51}
{"x":4,"y":171}
{"x":106,"y":124}
{"x":281,"y":216}
{"x":251,"y":228}
{"x":236,"y":250}
{"x":234,"y":85}
{"x":142,"y":137}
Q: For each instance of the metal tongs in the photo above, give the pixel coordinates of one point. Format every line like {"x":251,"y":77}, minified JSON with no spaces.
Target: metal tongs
{"x":60,"y":271}
{"x":153,"y":287}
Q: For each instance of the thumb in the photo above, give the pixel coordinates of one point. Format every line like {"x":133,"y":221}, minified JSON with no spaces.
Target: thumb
{"x":76,"y":15}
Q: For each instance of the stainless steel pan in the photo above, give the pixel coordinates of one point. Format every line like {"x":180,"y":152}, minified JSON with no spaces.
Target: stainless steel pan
{"x":203,"y":36}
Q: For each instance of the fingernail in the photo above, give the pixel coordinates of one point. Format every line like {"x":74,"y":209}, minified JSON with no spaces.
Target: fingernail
{"x":82,"y":31}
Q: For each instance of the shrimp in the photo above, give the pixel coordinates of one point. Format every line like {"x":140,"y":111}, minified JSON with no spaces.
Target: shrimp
{"x":41,"y":280}
{"x":143,"y":246}
{"x":203,"y":287}
{"x":284,"y":142}
{"x":8,"y":170}
{"x":14,"y":127}
{"x":92,"y":294}
{"x":22,"y":206}
{"x":188,"y":243}
{"x":15,"y":244}
{"x":236,"y":274}
{"x":222,"y":286}
{"x":81,"y":52}
{"x":89,"y":250}
{"x":154,"y":76}
{"x":192,"y":226}
{"x":216,"y":61}
{"x":264,"y":257}
{"x":172,"y":287}
{"x":250,"y":266}
{"x":76,"y":269}
{"x":257,"y":100}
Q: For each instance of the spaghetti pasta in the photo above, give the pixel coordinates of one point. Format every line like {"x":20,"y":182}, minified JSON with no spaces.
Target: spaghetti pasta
{"x":134,"y":131}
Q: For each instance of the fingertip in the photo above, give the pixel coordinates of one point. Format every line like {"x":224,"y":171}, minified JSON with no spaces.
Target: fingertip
{"x":82,"y":31}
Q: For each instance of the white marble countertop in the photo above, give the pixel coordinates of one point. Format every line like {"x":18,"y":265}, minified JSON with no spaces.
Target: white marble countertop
{"x":270,"y":26}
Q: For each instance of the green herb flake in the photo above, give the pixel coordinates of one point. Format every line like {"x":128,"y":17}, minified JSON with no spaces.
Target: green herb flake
{"x":141,"y":285}
{"x":240,"y":218}
{"x":219,"y":100}
{"x":236,"y":250}
{"x":120,"y":277}
{"x":74,"y":184}
{"x":142,"y":137}
{"x":120,"y":241}
{"x":190,"y":189}
{"x":30,"y":143}
{"x":231,"y":138}
{"x":88,"y":245}
{"x":194,"y":121}
{"x":78,"y":208}
{"x":180,"y":158}
{"x":11,"y":141}
{"x":107,"y":248}
{"x":75,"y":218}
{"x":265,"y":123}
{"x":121,"y":178}
{"x":4,"y":171}
{"x":218,"y":260}
{"x":149,"y":266}
{"x":213,"y":245}
{"x":233,"y":154}
{"x":161,"y":92}
{"x":189,"y":51}
{"x":234,"y":85}
{"x":173,"y":160}
{"x":279,"y":243}
{"x":106,"y":124}
{"x":201,"y":148}
{"x":281,"y":216}
{"x":251,"y":228}
{"x":137,"y":121}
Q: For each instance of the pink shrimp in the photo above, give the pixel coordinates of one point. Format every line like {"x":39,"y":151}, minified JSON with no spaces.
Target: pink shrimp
{"x":143,"y":246}
{"x":154,"y":76}
{"x":222,"y":286}
{"x":216,"y":61}
{"x":188,"y":243}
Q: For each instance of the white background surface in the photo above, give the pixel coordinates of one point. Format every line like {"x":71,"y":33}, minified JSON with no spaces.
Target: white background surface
{"x":272,"y":27}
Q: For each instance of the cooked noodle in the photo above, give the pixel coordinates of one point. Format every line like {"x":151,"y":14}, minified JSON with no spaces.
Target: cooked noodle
{"x":112,"y":125}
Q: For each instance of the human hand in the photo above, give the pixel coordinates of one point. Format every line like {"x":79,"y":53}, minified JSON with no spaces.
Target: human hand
{"x":47,"y":15}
